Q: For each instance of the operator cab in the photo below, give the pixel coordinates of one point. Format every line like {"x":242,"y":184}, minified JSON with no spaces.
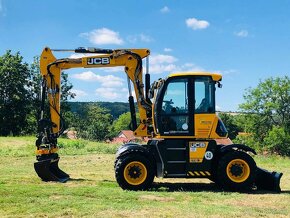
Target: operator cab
{"x":182,"y":100}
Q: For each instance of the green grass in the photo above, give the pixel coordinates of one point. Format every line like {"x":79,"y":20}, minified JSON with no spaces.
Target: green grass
{"x":25,"y":147}
{"x":93,"y":191}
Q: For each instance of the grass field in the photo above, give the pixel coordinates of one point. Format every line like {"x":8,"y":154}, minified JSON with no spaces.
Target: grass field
{"x":93,"y":191}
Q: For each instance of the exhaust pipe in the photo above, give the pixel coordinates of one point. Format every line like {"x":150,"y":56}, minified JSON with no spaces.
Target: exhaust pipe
{"x":47,"y":168}
{"x":266,"y":180}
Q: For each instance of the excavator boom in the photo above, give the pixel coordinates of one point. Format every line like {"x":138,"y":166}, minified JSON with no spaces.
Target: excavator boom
{"x":50,"y":129}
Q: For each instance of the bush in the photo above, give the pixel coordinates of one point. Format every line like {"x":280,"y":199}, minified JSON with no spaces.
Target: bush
{"x":248,"y":140}
{"x":278,"y":141}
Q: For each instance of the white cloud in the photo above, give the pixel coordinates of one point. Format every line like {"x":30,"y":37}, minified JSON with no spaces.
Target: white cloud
{"x":139,"y":38}
{"x":195,"y":24}
{"x":161,"y":68}
{"x":113,"y":69}
{"x":145,"y":38}
{"x":218,"y":108}
{"x":171,"y":68}
{"x":110,"y":93}
{"x":160,"y":63}
{"x":242,"y":33}
{"x":103,"y":36}
{"x":106,"y":81}
{"x":191,"y":67}
{"x":167,"y":49}
{"x":79,"y":93}
{"x":160,"y":59}
{"x":164,"y":10}
{"x":80,"y":55}
{"x":231,"y":71}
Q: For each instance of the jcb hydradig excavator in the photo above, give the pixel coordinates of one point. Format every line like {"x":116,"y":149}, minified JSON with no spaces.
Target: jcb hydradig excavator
{"x":178,"y":115}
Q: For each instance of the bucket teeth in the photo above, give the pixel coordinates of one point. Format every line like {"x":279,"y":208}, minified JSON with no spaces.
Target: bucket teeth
{"x":48,"y":170}
{"x":266,"y":180}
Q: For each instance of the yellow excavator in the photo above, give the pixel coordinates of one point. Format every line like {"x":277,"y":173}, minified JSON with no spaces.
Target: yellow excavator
{"x":178,"y":115}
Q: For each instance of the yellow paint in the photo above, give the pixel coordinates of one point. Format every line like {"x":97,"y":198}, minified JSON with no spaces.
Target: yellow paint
{"x":245,"y":168}
{"x":204,"y":125}
{"x":197,"y":150}
{"x":191,"y":173}
{"x":139,"y":179}
{"x":202,"y":173}
{"x":214,"y":76}
{"x":46,"y":151}
{"x":199,"y":173}
{"x":196,"y":173}
{"x":207,"y":173}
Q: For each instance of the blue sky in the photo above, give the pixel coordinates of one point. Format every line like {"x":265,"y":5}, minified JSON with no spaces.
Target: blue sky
{"x":245,"y":41}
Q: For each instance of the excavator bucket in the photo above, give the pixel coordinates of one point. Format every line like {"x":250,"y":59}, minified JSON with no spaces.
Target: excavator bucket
{"x":48,"y":170}
{"x":266,"y":180}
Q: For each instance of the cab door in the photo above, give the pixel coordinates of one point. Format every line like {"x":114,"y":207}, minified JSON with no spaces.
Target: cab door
{"x":175,"y":108}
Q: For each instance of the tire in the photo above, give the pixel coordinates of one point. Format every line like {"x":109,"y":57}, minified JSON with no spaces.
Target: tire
{"x":236,"y":171}
{"x":134,"y":172}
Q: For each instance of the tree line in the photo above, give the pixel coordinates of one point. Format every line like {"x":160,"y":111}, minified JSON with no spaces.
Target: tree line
{"x":264,"y":118}
{"x":263,"y":122}
{"x":20,"y":88}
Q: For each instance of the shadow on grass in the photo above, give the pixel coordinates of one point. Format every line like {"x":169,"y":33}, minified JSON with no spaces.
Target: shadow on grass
{"x":79,"y":180}
{"x":202,"y":187}
{"x":184,"y":187}
{"x":261,"y":192}
{"x":193,"y":187}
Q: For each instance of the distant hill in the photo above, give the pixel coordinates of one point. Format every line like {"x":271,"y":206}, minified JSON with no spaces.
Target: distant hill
{"x":114,"y":108}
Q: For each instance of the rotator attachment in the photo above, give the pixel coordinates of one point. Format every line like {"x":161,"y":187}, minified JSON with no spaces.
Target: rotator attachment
{"x":47,"y":168}
{"x":47,"y":158}
{"x":266,"y":180}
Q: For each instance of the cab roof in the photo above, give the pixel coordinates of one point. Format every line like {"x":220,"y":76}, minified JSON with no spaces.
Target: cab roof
{"x":214,"y":76}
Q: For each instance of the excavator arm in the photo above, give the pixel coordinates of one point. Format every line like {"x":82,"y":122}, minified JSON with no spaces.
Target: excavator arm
{"x":50,"y":129}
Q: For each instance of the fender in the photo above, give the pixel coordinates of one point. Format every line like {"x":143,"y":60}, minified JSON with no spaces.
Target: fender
{"x":245,"y":148}
{"x":133,"y":147}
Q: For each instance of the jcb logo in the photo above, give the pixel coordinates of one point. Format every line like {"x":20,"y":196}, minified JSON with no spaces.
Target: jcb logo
{"x":96,"y":61}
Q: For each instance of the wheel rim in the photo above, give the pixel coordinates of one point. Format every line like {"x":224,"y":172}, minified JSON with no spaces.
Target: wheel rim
{"x":135,"y":173}
{"x":238,"y":170}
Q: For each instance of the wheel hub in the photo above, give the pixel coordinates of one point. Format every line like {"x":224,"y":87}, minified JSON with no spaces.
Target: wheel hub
{"x":236,"y":170}
{"x":134,"y":172}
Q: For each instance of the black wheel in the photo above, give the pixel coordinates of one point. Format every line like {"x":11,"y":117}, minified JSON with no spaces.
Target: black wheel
{"x":236,"y":171}
{"x":134,"y":172}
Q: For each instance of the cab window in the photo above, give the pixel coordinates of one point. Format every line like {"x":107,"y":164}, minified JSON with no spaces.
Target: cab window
{"x":204,"y":95}
{"x":175,"y":98}
{"x":174,"y":109}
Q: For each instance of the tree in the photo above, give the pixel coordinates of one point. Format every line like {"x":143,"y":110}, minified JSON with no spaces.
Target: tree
{"x":268,"y":111}
{"x":231,"y":124}
{"x":94,"y":124}
{"x":14,"y":95}
{"x":122,"y":123}
{"x":278,"y":140}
